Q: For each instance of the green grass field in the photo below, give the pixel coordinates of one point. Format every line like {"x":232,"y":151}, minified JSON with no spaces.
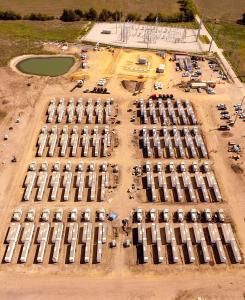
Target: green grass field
{"x":23,"y":37}
{"x":55,"y":8}
{"x":231,"y":38}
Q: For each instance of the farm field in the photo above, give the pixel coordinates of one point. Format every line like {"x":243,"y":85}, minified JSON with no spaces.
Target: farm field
{"x":223,"y":9}
{"x":56,"y":7}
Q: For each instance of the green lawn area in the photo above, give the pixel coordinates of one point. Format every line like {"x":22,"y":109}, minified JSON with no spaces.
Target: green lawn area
{"x":231,"y":38}
{"x":45,"y":31}
{"x":23,"y":37}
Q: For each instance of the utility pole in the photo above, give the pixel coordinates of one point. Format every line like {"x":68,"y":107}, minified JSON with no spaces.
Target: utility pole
{"x":200,"y":26}
{"x":211,"y":42}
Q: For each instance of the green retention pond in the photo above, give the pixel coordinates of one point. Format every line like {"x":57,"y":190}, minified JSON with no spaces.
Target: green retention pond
{"x":46,"y":66}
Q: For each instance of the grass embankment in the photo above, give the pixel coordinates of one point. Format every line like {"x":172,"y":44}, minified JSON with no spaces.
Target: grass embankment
{"x":231,"y":38}
{"x":25,"y":37}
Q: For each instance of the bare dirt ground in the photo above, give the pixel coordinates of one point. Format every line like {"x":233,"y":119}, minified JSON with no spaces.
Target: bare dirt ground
{"x":26,"y":98}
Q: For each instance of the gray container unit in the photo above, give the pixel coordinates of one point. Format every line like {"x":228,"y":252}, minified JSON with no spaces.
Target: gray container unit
{"x":67,"y":184}
{"x":176,"y":184}
{"x":42,"y":141}
{"x":215,"y":239}
{"x":11,"y":239}
{"x":144,"y":245}
{"x":74,"y":142}
{"x":72,"y":240}
{"x":88,"y":243}
{"x":52,"y":141}
{"x":56,"y":239}
{"x":51,"y":111}
{"x":200,"y":239}
{"x":170,"y":239}
{"x":41,"y":183}
{"x":55,"y":182}
{"x":159,"y":244}
{"x":64,"y":141}
{"x":212,"y":183}
{"x":26,"y":240}
{"x":99,"y":243}
{"x":79,"y":111}
{"x":153,"y":233}
{"x":201,"y":185}
{"x":188,"y":184}
{"x":60,"y":110}
{"x":186,"y":239}
{"x":42,"y":240}
{"x":80,"y":185}
{"x":29,"y":183}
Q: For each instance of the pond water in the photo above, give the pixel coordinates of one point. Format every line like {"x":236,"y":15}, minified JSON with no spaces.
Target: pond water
{"x":46,"y":66}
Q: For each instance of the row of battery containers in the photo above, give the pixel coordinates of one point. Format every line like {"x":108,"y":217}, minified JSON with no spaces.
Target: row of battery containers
{"x":67,"y":183}
{"x":97,"y":139}
{"x":177,"y":142}
{"x":101,"y":110}
{"x":171,"y":112}
{"x":212,"y":183}
{"x":42,"y":240}
{"x":186,"y":239}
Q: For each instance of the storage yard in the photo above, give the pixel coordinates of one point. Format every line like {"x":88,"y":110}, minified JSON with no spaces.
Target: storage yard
{"x":113,"y":186}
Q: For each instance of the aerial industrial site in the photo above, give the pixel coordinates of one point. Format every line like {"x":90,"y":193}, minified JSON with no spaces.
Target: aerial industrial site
{"x":122,"y":177}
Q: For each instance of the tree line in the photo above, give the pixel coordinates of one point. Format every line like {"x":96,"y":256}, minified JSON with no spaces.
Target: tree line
{"x":186,"y":14}
{"x":11,"y":15}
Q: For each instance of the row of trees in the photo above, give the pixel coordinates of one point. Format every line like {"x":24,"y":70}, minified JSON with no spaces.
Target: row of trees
{"x":185,"y":15}
{"x":10,"y":15}
{"x":187,"y":11}
{"x":70,"y":15}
